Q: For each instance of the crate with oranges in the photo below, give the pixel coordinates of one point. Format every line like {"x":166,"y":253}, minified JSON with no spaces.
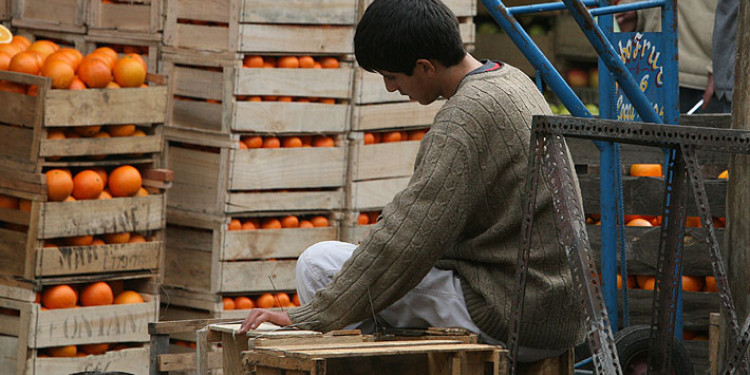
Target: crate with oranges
{"x":269,"y":26}
{"x":260,"y":92}
{"x":147,"y":46}
{"x":125,"y":17}
{"x":63,"y":328}
{"x":357,"y":224}
{"x":194,"y":305}
{"x":241,"y":254}
{"x":81,"y":224}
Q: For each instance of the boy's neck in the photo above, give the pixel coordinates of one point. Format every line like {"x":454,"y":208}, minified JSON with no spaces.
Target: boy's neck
{"x":453,"y":76}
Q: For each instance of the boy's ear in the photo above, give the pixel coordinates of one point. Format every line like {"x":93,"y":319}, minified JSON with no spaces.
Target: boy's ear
{"x":425,"y":66}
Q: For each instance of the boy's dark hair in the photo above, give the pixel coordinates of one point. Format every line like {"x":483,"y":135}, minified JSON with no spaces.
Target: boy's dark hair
{"x":393,"y":34}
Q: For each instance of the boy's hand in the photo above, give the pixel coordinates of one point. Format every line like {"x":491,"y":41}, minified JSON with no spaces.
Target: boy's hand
{"x":258,"y":316}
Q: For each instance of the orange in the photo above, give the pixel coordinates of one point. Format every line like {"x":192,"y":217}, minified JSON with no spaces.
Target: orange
{"x":327,"y":101}
{"x":249,"y":225}
{"x":10,"y":49}
{"x":45,"y":47}
{"x":391,"y":137}
{"x":723,"y":175}
{"x":319,"y":221}
{"x":104,"y":195}
{"x":295,"y":299}
{"x":142,"y":192}
{"x":692,"y":283}
{"x":243,"y":146}
{"x":95,"y":71}
{"x":77,"y":84}
{"x":137,"y":238}
{"x":252,"y":62}
{"x":63,"y":56}
{"x":24,"y":205}
{"x":235,"y":224}
{"x":269,"y":62}
{"x":112,"y":238}
{"x":639,"y":223}
{"x":128,"y":297}
{"x":646,"y":282}
{"x":97,"y":294}
{"x":632,"y":282}
{"x":228,"y":303}
{"x":255,"y":141}
{"x":290,"y":221}
{"x":139,"y":58}
{"x":288,"y":62}
{"x":25,"y":62}
{"x":88,"y":131}
{"x":693,"y":222}
{"x":6,"y":201}
{"x":323,"y":141}
{"x":87,"y":185}
{"x":4,"y":60}
{"x":117,"y":286}
{"x":292,"y":142}
{"x":270,"y":223}
{"x":243,"y":303}
{"x":121,"y":130}
{"x":102,"y":174}
{"x":59,"y":297}
{"x":369,"y":138}
{"x":125,"y":181}
{"x":306,"y":62}
{"x":55,"y":134}
{"x":363,"y":219}
{"x":271,"y":142}
{"x":642,"y":170}
{"x":59,"y":185}
{"x":98,"y":242}
{"x":265,"y":301}
{"x":63,"y":351}
{"x":710,"y":284}
{"x":287,"y":99}
{"x":60,"y":72}
{"x":79,"y":240}
{"x":129,"y":72}
{"x":329,"y":62}
{"x":94,"y":349}
{"x":106,"y":51}
{"x":282,"y":299}
{"x":5,"y":35}
{"x":76,"y":55}
{"x":416,"y":135}
{"x":306,"y":224}
{"x":12,"y":87}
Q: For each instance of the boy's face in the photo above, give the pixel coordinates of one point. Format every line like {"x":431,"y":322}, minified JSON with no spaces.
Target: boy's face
{"x":419,"y":86}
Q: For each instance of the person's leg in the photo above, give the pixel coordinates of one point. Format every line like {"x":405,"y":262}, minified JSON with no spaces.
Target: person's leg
{"x":318,"y":264}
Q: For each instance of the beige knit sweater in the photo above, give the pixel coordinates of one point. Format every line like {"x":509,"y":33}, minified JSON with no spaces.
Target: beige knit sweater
{"x":462,"y":211}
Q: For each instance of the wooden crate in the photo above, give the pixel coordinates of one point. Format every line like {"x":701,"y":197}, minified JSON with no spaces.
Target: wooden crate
{"x":63,"y":39}
{"x":5,"y":10}
{"x":237,"y":181}
{"x":127,"y":17}
{"x":379,"y":116}
{"x":167,"y":358}
{"x":204,"y":256}
{"x":28,"y":329}
{"x":67,"y":16}
{"x":286,"y":26}
{"x":203,"y":76}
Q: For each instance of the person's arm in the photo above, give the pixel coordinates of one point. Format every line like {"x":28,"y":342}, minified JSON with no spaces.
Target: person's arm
{"x":418,"y":226}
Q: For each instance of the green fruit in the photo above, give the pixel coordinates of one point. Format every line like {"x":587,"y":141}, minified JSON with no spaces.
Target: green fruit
{"x":563,"y":111}
{"x":537,"y":30}
{"x":593,"y":108}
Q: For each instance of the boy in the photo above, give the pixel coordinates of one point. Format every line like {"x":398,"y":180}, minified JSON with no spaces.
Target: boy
{"x":444,"y":252}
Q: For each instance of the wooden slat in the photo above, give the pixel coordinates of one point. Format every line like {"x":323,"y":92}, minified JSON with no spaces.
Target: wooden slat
{"x":130,"y":361}
{"x":256,"y":38}
{"x":286,"y":201}
{"x":17,"y":109}
{"x":186,"y":361}
{"x":124,"y":17}
{"x":65,"y":219}
{"x":101,"y":146}
{"x":279,"y":117}
{"x":327,"y":83}
{"x":187,"y":268}
{"x":369,"y":89}
{"x":321,"y":12}
{"x":254,"y":276}
{"x":283,"y":349}
{"x":206,"y":38}
{"x":16,"y":144}
{"x":197,"y":83}
{"x":199,"y":184}
{"x":217,"y":11}
{"x":67,"y":14}
{"x":98,"y":259}
{"x":17,"y":290}
{"x":391,"y":115}
{"x":261,"y":169}
{"x":97,"y":107}
{"x":12,"y":254}
{"x":368,"y":195}
{"x":461,"y":8}
{"x":197,"y":115}
{"x":273,"y":243}
{"x":384,"y":160}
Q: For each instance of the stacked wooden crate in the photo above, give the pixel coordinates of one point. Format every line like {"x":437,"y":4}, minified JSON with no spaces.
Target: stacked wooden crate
{"x":384,"y":138}
{"x":644,"y":199}
{"x":5,"y":11}
{"x":220,"y":108}
{"x":44,"y":243}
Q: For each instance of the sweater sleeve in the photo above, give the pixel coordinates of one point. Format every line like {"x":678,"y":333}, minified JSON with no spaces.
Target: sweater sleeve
{"x":416,"y":228}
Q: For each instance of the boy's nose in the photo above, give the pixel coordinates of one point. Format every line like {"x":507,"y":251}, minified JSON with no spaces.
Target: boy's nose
{"x":390,"y":86}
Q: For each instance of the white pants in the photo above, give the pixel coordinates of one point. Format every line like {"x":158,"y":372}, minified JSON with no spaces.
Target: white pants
{"x":437,"y":301}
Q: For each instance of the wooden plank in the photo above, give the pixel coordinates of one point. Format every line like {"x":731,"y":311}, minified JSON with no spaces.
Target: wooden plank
{"x":206,"y":38}
{"x":375,"y":194}
{"x":284,"y":201}
{"x":262,"y":169}
{"x":101,"y":146}
{"x":192,"y":114}
{"x":273,"y":243}
{"x":17,"y":109}
{"x":327,"y":83}
{"x":131,"y":361}
{"x":98,"y":259}
{"x":198,"y":184}
{"x":12,"y":254}
{"x":257,"y":276}
{"x":257,"y":38}
{"x":280,"y":117}
{"x":384,"y":160}
{"x":17,"y":290}
{"x":123,"y":106}
{"x":461,"y":8}
{"x":321,"y":12}
{"x":272,"y":362}
{"x":68,"y":14}
{"x":87,"y":217}
{"x":8,"y":352}
{"x":309,"y":347}
{"x":391,"y":115}
{"x":468,"y":31}
{"x":198,"y":83}
{"x":217,"y":11}
{"x":187,"y":361}
{"x":84,"y":325}
{"x":697,"y":308}
{"x":369,"y":89}
{"x":187,"y":268}
{"x":123,"y":17}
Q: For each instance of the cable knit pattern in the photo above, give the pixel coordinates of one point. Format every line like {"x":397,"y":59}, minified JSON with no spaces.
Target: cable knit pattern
{"x":462,"y":211}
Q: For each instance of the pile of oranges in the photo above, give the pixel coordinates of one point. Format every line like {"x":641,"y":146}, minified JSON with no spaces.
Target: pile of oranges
{"x":104,"y":239}
{"x":655,"y":170}
{"x":394,"y":136}
{"x":123,"y":181}
{"x":265,"y":301}
{"x":257,"y":141}
{"x":290,"y":62}
{"x":100,"y":293}
{"x":85,"y":350}
{"x":291,"y":221}
{"x":655,"y":221}
{"x":68,"y":68}
{"x":689,"y":283}
{"x":367,"y":218}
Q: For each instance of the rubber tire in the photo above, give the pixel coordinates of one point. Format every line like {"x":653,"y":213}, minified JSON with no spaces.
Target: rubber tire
{"x":632,"y":342}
